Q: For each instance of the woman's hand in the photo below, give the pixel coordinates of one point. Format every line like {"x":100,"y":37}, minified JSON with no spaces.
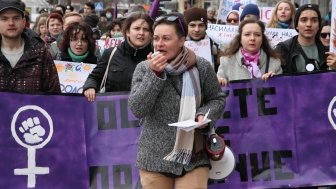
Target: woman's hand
{"x":222,"y":81}
{"x":90,"y":94}
{"x":265,"y":76}
{"x":331,"y":60}
{"x":157,"y":62}
{"x":200,"y":118}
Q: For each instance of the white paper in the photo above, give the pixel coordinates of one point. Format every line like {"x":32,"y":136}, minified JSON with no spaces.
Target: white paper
{"x":191,"y":124}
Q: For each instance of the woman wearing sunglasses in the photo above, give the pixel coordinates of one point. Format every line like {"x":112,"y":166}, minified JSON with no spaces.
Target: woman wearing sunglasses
{"x":283,"y":15}
{"x":173,"y":85}
{"x":249,"y":55}
{"x":137,"y":31}
{"x":325,"y":34}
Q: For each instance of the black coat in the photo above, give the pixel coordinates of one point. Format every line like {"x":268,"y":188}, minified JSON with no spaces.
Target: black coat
{"x":120,"y":71}
{"x":290,"y":49}
{"x":34,"y":72}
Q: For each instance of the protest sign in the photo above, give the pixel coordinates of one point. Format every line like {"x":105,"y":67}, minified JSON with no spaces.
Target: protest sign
{"x":201,"y":48}
{"x":108,"y":43}
{"x":223,"y":34}
{"x":72,"y":75}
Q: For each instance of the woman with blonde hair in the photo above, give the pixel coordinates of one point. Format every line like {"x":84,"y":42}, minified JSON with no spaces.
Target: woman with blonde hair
{"x":283,"y":15}
{"x":41,"y":28}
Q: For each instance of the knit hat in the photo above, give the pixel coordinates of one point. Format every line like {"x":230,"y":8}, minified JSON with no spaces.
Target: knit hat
{"x":304,"y":7}
{"x":10,"y":4}
{"x":250,"y":9}
{"x":196,"y":14}
{"x":92,"y":20}
{"x":236,"y":6}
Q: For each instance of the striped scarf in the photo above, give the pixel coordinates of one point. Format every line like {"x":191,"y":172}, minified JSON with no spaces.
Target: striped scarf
{"x":184,"y":64}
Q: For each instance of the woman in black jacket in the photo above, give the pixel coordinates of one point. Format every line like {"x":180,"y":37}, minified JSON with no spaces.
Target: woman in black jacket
{"x":77,"y":44}
{"x":138,"y":32}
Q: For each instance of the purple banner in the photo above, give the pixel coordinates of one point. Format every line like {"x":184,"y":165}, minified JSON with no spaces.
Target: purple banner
{"x":282,"y":133}
{"x":278,"y":130}
{"x":42,"y":142}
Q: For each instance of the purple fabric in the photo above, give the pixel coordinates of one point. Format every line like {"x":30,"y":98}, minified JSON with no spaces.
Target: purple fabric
{"x":294,"y":143}
{"x":64,"y":154}
{"x":281,"y":133}
{"x":154,"y":8}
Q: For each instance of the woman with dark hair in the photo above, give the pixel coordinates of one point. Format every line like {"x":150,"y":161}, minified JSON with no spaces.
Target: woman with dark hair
{"x":249,"y":55}
{"x":77,"y":44}
{"x":113,"y":29}
{"x":173,"y":85}
{"x":138,"y":32}
{"x":325,"y":34}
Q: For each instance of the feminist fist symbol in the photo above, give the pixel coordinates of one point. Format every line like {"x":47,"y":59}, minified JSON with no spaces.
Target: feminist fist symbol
{"x":32,"y":130}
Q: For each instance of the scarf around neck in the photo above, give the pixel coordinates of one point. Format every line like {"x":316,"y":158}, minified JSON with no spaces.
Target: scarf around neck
{"x":251,"y":62}
{"x":284,"y":25}
{"x":184,"y":64}
{"x":77,"y":58}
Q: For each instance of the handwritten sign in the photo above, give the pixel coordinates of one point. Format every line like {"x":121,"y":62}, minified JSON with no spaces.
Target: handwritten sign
{"x":223,"y":34}
{"x":72,"y":75}
{"x":201,"y":48}
{"x":108,"y":43}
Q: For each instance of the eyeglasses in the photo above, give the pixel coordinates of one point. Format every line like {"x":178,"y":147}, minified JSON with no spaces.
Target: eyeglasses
{"x":79,"y":40}
{"x":324,"y":35}
{"x":171,"y":19}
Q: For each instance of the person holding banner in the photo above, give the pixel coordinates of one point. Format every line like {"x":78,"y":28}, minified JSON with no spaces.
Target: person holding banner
{"x":173,"y":85}
{"x":304,"y":52}
{"x":77,"y":44}
{"x":249,"y":55}
{"x":26,"y":65}
{"x":138,"y":32}
{"x":282,"y":15}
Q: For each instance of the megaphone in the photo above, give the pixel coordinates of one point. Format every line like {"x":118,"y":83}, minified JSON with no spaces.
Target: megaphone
{"x":221,"y":157}
{"x":222,"y":168}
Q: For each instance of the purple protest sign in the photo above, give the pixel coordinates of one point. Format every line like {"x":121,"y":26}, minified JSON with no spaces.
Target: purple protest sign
{"x":42,"y":142}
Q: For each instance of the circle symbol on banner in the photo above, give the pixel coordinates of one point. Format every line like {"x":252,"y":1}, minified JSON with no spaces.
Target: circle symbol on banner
{"x":332,"y":112}
{"x":310,"y":67}
{"x":224,"y":167}
{"x":30,"y":133}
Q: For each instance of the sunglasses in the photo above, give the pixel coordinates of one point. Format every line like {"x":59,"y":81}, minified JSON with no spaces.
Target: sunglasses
{"x":171,"y":19}
{"x":324,"y":35}
{"x":232,"y":21}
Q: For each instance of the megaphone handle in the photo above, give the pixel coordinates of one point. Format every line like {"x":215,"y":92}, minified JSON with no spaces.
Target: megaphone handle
{"x":211,"y":130}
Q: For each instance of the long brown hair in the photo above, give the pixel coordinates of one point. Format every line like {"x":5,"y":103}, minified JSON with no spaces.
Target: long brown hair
{"x":236,"y":42}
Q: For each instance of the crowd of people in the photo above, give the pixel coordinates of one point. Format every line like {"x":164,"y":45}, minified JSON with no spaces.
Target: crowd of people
{"x":167,"y":81}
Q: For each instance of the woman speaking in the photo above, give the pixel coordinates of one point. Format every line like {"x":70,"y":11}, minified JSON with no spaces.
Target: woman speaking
{"x":172,"y":86}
